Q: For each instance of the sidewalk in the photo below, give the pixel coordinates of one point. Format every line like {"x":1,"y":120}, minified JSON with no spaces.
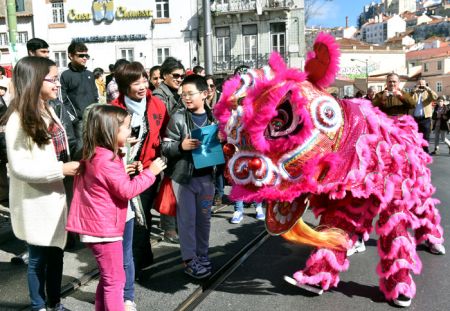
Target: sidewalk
{"x":79,"y":264}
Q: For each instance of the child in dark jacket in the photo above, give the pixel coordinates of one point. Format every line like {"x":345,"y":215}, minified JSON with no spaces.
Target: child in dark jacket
{"x":193,"y":188}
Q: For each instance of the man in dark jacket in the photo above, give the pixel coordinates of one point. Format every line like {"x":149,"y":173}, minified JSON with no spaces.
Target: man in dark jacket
{"x":78,"y":87}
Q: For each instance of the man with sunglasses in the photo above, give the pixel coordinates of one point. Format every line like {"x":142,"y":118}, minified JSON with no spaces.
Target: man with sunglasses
{"x":78,"y":87}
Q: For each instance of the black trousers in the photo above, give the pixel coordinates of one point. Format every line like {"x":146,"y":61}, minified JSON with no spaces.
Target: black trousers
{"x":424,"y":125}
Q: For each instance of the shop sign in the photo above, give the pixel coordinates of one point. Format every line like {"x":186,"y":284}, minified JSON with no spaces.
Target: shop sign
{"x":105,"y":11}
{"x":113,"y":38}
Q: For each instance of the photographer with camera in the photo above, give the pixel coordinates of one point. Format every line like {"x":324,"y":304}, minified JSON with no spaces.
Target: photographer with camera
{"x":423,"y":96}
{"x":393,"y":101}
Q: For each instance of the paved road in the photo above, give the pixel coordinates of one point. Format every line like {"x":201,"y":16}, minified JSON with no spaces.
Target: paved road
{"x":257,"y":284}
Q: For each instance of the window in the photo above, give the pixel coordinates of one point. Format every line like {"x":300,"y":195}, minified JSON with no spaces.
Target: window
{"x":278,"y":35}
{"x":162,"y":53}
{"x":61,"y":59}
{"x":22,"y":37}
{"x":439,"y":65}
{"x":162,"y":8}
{"x":4,"y":38}
{"x":439,"y":86}
{"x":425,"y":67}
{"x":250,"y":35}
{"x":58,"y":12}
{"x":223,"y":44}
{"x":127,"y":54}
{"x":20,"y":6}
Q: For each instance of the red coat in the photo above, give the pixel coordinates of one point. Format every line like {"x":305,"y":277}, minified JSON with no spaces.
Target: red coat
{"x":157,"y":118}
{"x":101,"y":193}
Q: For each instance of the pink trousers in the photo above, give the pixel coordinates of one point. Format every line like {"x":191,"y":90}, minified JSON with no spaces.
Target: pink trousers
{"x":109,"y":257}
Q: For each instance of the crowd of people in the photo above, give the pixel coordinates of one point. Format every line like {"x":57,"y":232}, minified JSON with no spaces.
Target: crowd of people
{"x":94,"y":147}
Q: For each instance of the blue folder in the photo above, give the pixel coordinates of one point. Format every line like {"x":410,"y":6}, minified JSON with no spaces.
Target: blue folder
{"x":210,"y":152}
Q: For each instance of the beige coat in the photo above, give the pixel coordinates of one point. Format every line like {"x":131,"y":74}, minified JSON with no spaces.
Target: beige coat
{"x":37,"y":199}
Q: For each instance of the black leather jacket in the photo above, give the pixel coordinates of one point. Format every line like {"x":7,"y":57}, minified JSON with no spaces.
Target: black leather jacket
{"x":180,"y":166}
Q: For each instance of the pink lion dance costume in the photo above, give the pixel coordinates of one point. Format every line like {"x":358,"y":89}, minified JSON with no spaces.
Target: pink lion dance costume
{"x":291,"y":145}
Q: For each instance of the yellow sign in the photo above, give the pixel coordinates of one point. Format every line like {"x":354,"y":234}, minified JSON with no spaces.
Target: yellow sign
{"x":79,"y":17}
{"x":123,"y":13}
{"x":103,"y":11}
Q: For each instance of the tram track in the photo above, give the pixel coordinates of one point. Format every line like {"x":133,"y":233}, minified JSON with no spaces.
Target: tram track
{"x":223,"y":273}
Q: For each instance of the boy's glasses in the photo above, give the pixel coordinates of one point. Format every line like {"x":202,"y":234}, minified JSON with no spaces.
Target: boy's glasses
{"x":52,"y":80}
{"x":186,"y":95}
{"x":83,"y":55}
{"x":177,"y":76}
{"x":212,"y":86}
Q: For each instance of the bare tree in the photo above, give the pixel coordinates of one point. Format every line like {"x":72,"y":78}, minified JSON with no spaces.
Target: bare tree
{"x":312,"y":8}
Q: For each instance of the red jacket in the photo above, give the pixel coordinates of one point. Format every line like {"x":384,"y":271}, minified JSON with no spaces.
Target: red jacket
{"x":157,"y":118}
{"x":101,"y":193}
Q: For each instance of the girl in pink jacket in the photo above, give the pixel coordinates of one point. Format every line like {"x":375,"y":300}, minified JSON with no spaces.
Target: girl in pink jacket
{"x":101,"y":193}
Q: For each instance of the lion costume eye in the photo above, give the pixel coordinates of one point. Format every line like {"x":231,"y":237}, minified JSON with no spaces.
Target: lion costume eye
{"x":285,"y":122}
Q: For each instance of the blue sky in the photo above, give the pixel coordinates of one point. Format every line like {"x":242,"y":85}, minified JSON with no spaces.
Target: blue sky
{"x":333,"y":13}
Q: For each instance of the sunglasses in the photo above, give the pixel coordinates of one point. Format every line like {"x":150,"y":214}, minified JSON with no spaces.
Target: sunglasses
{"x":178,"y":76}
{"x":211,"y":86}
{"x":82,"y":55}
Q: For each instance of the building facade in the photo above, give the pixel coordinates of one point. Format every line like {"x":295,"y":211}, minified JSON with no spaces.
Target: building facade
{"x":246,"y":32}
{"x":144,"y":31}
{"x":398,"y":6}
{"x":25,"y":31}
{"x":382,"y":28}
{"x":435,"y":63}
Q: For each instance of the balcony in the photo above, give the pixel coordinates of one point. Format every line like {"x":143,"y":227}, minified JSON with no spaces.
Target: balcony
{"x":228,"y":63}
{"x":235,"y":6}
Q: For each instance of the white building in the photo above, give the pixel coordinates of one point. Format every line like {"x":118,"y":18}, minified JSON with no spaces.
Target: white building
{"x":382,"y":28}
{"x":144,"y":31}
{"x":398,"y":6}
{"x":246,"y":32}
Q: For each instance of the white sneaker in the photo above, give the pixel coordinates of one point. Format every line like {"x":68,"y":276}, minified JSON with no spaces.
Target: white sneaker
{"x":130,"y":305}
{"x":402,"y":301}
{"x":310,"y":288}
{"x":437,"y":249}
{"x":358,"y":247}
{"x":260,"y":213}
{"x":237,"y":217}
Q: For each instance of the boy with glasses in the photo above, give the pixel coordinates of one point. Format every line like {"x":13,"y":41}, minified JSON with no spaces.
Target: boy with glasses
{"x":193,"y":188}
{"x":78,"y":87}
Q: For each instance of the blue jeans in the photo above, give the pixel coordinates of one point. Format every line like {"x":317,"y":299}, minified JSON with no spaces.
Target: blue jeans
{"x":128,"y":260}
{"x":239,"y":206}
{"x":45,"y":268}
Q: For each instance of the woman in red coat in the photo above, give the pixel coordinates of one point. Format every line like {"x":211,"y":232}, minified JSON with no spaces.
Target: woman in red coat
{"x":149,"y":118}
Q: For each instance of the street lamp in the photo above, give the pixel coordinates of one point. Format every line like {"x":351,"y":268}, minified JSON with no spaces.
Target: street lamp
{"x":366,"y":62}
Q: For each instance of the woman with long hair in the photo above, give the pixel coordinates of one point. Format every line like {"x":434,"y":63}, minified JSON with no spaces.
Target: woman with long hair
{"x":38,"y":159}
